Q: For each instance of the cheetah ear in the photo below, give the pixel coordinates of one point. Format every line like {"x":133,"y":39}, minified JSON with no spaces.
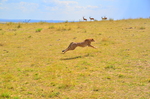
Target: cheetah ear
{"x":93,"y":40}
{"x":86,"y":39}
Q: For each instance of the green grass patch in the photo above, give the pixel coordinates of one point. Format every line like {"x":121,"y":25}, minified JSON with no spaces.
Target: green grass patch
{"x":5,"y":95}
{"x":38,"y":30}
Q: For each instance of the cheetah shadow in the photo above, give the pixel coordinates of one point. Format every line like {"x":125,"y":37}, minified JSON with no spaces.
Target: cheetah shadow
{"x":77,"y":57}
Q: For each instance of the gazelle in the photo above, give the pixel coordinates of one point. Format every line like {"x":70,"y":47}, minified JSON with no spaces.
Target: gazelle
{"x":104,"y":18}
{"x":91,"y":18}
{"x":84,"y":19}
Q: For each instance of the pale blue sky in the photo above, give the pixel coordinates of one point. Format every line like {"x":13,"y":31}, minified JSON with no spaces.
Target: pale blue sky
{"x":73,"y":10}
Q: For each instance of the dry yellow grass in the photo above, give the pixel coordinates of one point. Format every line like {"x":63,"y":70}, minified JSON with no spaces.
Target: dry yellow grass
{"x":32,"y":65}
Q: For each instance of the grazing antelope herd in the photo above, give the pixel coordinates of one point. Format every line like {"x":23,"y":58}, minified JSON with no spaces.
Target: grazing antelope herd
{"x":92,"y":19}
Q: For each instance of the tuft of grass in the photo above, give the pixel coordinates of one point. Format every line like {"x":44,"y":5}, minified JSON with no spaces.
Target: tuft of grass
{"x":19,"y":26}
{"x":142,"y":28}
{"x":36,"y":76}
{"x":63,"y":29}
{"x":1,"y":44}
{"x":54,"y":94}
{"x":5,"y":95}
{"x":16,"y":97}
{"x":38,"y":30}
{"x":51,"y":27}
{"x":30,"y":36}
{"x":110,"y":67}
{"x":10,"y":23}
{"x":121,"y":76}
{"x":69,"y":28}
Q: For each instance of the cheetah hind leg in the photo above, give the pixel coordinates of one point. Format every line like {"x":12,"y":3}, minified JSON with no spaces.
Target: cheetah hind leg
{"x":69,"y":48}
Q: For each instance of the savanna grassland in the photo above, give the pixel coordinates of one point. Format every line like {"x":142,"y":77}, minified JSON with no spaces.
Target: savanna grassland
{"x":32,"y":65}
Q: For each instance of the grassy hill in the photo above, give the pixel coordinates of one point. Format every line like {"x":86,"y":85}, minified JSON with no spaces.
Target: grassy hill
{"x":32,"y":65}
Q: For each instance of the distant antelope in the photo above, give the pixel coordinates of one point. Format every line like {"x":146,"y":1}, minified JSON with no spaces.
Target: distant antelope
{"x":104,"y":18}
{"x":84,"y":19}
{"x":91,"y":18}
